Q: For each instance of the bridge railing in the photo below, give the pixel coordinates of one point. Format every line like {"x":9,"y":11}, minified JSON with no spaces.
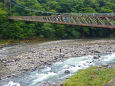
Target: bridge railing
{"x":103,"y":20}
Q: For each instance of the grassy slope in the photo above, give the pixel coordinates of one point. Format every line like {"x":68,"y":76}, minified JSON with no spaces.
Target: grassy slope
{"x":93,"y":76}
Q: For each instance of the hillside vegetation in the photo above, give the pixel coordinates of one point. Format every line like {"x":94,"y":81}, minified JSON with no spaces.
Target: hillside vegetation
{"x":23,"y":30}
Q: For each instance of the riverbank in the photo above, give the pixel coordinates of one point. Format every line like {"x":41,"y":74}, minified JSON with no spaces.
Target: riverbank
{"x":4,"y":43}
{"x":93,"y":76}
{"x":47,"y":53}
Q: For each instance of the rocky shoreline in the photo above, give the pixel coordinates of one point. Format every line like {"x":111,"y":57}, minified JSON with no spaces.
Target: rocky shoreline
{"x":50,"y":52}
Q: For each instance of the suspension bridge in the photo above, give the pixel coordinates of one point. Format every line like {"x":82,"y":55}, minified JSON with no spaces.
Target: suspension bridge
{"x":92,"y":20}
{"x":104,"y":20}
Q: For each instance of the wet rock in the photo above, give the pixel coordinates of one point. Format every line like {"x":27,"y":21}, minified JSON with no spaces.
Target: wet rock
{"x":95,"y":57}
{"x":67,"y":72}
{"x":73,"y":65}
{"x":91,"y":62}
{"x":79,"y":65}
{"x":34,"y":69}
{"x":13,"y":75}
{"x":8,"y":76}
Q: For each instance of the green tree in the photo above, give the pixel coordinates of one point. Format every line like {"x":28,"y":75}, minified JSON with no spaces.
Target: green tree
{"x":47,"y":31}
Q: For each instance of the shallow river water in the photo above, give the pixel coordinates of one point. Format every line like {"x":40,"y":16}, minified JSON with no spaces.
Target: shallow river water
{"x":56,"y":72}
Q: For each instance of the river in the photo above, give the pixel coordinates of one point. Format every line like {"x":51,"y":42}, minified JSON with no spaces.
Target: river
{"x":56,"y":72}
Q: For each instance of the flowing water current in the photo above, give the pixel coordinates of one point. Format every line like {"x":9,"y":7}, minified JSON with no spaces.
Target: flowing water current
{"x":58,"y":71}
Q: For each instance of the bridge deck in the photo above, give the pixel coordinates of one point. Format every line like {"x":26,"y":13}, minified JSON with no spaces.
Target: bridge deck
{"x":92,"y":21}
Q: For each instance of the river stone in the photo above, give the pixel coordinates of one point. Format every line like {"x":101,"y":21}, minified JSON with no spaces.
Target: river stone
{"x":17,"y":59}
{"x":95,"y":57}
{"x":56,"y":57}
{"x":25,"y":70}
{"x":48,"y":63}
{"x":32,"y":62}
{"x":19,"y":65}
{"x":45,"y":84}
{"x":79,"y":65}
{"x":8,"y":76}
{"x":34,"y":69}
{"x":49,"y":84}
{"x":28,"y":58}
{"x":32,"y":51}
{"x":96,"y":51}
{"x":107,"y":66}
{"x":67,"y":72}
{"x":73,"y":65}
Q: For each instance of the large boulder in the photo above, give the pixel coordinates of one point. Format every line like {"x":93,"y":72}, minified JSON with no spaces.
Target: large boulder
{"x":95,"y":57}
{"x":67,"y":72}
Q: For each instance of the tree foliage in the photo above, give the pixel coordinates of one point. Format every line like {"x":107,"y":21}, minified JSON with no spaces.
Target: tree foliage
{"x":22,"y":30}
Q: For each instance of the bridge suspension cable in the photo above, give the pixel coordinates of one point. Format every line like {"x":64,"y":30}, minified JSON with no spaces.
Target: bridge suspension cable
{"x":56,"y":13}
{"x":30,"y":9}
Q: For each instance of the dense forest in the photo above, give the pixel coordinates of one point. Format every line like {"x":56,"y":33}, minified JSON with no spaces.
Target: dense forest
{"x":10,"y":29}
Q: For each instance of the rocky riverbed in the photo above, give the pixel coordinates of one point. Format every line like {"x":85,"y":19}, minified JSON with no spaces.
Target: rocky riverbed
{"x":39,"y":55}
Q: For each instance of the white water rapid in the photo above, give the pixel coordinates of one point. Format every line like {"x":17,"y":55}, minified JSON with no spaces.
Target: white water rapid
{"x":58,"y":71}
